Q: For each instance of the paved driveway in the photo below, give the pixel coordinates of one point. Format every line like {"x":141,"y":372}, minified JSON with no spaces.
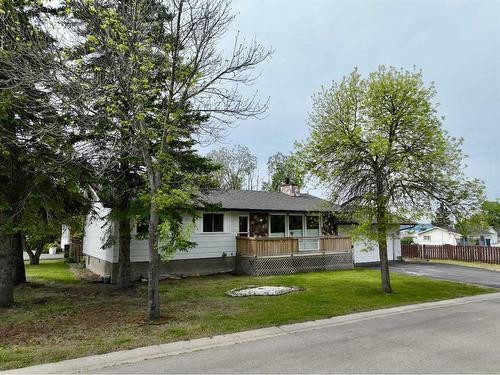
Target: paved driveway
{"x":452,"y":272}
{"x":458,"y":338}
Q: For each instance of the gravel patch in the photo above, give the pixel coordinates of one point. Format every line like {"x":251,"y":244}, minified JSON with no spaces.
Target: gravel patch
{"x":254,"y":290}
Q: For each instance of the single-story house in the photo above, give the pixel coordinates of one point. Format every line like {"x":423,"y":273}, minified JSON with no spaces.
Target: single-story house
{"x":255,"y":232}
{"x":486,"y":237}
{"x":437,"y":236}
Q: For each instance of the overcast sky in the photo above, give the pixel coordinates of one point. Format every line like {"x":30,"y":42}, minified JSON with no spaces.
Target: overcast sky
{"x":455,"y":43}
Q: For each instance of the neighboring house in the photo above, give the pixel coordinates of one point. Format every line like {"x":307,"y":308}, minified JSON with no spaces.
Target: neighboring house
{"x":486,"y":237}
{"x":271,"y":232}
{"x":411,"y":230}
{"x":437,"y":236}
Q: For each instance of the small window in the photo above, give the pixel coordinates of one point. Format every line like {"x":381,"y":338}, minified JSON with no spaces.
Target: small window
{"x":427,"y":238}
{"x":243,"y":226}
{"x":277,"y":225}
{"x":213,"y":223}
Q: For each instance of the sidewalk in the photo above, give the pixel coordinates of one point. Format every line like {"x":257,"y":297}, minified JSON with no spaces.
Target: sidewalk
{"x":45,"y":256}
{"x":97,"y":362}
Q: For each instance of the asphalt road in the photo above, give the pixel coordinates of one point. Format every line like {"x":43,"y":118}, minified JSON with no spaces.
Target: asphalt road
{"x":444,"y":271}
{"x":462,"y":338}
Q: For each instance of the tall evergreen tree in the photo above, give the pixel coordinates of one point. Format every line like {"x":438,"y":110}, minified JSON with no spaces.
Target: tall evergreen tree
{"x":442,"y":217}
{"x":35,"y":145}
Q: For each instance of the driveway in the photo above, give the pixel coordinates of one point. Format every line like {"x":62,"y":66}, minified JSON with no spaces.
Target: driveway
{"x":457,"y":338}
{"x":471,"y":275}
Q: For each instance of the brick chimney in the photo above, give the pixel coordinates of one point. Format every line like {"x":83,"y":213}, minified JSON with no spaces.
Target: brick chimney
{"x":289,"y":188}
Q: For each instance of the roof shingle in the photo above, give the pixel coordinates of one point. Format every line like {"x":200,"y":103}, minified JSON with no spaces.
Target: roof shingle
{"x":267,"y":201}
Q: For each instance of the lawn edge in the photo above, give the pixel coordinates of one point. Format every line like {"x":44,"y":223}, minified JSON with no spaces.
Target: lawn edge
{"x":96,"y":362}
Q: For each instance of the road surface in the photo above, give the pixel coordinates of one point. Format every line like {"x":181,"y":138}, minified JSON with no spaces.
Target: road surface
{"x":472,"y":275}
{"x":462,"y":338}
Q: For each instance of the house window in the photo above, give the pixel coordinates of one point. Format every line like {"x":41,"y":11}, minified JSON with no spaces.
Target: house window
{"x":213,"y":223}
{"x":312,"y":226}
{"x":243,"y":226}
{"x":277,"y":225}
{"x":427,"y":238}
{"x":295,"y":225}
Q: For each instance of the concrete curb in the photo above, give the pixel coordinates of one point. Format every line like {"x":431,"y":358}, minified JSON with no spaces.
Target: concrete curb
{"x":96,"y":362}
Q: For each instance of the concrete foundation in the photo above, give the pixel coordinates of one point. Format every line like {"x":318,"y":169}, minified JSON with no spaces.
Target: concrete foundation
{"x":179,"y":267}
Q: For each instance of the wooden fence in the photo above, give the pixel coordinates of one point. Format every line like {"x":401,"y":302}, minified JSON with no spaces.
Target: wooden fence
{"x":75,"y":250}
{"x":263,"y":246}
{"x":485,"y":254}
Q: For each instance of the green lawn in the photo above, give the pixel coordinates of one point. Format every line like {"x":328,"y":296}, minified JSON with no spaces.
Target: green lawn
{"x":57,"y":317}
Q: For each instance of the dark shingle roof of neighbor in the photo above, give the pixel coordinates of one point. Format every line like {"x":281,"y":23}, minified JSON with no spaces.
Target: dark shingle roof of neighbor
{"x":267,"y":201}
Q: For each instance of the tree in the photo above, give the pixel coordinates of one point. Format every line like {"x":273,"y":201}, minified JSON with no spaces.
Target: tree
{"x":491,"y":211}
{"x":442,"y":217}
{"x":379,"y":146}
{"x":168,"y":86}
{"x":280,"y":167}
{"x":33,"y":139}
{"x":54,"y":201}
{"x":238,"y":168}
{"x":487,"y":216}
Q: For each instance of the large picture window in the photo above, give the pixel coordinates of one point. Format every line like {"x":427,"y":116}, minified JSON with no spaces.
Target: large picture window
{"x":295,"y":225}
{"x":213,"y":223}
{"x":312,"y":225}
{"x":277,"y":225}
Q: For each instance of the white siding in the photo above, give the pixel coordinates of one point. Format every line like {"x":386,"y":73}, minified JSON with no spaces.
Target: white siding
{"x":437,"y":236}
{"x":96,"y":230}
{"x":366,"y":251}
{"x":209,"y":245}
{"x":65,"y":236}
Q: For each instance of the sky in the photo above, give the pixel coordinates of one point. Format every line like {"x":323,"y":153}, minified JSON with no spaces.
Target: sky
{"x":456,"y":44}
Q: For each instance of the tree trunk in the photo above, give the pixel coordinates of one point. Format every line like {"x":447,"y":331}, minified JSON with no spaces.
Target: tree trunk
{"x":154,"y":264}
{"x":35,"y":256}
{"x":6,"y":267}
{"x":19,"y":276}
{"x":124,"y":280}
{"x":382,"y":249}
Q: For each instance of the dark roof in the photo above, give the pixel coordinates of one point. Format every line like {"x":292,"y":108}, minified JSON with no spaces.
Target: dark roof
{"x":254,"y":200}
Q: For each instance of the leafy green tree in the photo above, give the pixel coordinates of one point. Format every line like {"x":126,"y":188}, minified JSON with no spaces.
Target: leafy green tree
{"x":280,"y":167}
{"x":237,"y":170}
{"x":168,"y":87}
{"x":442,"y":217}
{"x":487,"y":216}
{"x":54,"y":202}
{"x":378,"y":144}
{"x":491,"y":211}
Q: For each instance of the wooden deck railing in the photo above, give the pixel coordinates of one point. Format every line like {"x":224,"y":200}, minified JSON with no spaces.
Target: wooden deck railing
{"x":261,"y":246}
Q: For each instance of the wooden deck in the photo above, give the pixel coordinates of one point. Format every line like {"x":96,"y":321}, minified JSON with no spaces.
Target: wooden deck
{"x":268,"y":246}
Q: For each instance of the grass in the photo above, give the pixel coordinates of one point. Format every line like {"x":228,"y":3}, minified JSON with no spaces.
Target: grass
{"x":58,"y":317}
{"x":50,"y":271}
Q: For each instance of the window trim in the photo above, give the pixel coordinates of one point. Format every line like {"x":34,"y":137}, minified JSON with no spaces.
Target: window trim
{"x":248,"y":224}
{"x":213,"y":214}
